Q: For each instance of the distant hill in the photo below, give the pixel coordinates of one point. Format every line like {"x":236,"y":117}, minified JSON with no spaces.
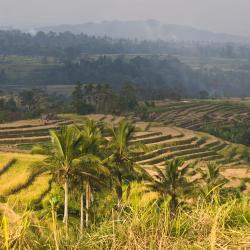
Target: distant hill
{"x":147,"y":30}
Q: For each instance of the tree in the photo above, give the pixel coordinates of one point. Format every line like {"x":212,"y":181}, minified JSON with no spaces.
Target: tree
{"x":106,"y":99}
{"x":121,"y":161}
{"x":77,"y":97}
{"x":89,"y":164}
{"x":35,"y":101}
{"x":10,"y":104}
{"x":171,"y":181}
{"x":128,"y":98}
{"x":75,"y":159}
{"x":63,"y":152}
{"x":203,"y":94}
{"x":27,"y":98}
{"x":213,"y":180}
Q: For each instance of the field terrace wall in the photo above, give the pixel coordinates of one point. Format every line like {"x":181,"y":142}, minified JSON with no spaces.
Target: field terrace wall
{"x":195,"y":114}
{"x":20,"y":180}
{"x":27,"y":132}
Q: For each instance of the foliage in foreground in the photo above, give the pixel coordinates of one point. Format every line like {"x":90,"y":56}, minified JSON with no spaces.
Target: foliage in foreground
{"x":169,"y":209}
{"x":141,"y":224}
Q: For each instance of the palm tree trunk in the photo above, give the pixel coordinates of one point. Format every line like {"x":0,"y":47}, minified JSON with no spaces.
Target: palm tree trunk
{"x":66,"y":200}
{"x":88,"y":201}
{"x":174,"y":201}
{"x":119,"y":191}
{"x":54,"y":216}
{"x":128,"y":191}
{"x":82,"y":213}
{"x":119,"y":194}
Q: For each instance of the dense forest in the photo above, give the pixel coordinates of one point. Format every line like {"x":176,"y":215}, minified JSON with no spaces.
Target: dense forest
{"x":69,"y":44}
{"x":155,"y":77}
{"x":66,"y":58}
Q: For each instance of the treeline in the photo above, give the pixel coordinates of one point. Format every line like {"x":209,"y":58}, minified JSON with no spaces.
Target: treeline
{"x":69,"y":45}
{"x":77,"y":58}
{"x":31,"y":103}
{"x":94,"y":98}
{"x":155,"y":78}
{"x":85,"y":99}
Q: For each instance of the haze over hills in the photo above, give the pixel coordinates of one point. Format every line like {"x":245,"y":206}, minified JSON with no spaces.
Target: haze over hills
{"x":146,"y":30}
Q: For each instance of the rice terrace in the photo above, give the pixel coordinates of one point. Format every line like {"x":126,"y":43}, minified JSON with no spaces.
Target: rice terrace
{"x":124,"y":125}
{"x":28,"y":187}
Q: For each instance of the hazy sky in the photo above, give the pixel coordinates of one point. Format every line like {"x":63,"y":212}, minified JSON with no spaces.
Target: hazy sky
{"x":231,"y":16}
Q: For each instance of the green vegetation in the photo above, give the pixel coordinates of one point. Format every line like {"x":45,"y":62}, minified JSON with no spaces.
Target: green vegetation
{"x":98,"y":188}
{"x":237,"y":132}
{"x":102,"y":99}
{"x":159,"y":69}
{"x":117,"y":187}
{"x":21,"y":70}
{"x":143,"y":224}
{"x":228,"y":119}
{"x":171,"y":182}
{"x":127,"y":163}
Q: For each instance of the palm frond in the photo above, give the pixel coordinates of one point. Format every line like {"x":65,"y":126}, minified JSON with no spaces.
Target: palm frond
{"x":56,"y":144}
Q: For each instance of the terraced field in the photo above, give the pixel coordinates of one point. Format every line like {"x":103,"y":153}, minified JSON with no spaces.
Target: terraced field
{"x":23,"y":183}
{"x":19,"y":174}
{"x":22,"y":134}
{"x":169,"y":143}
{"x":195,"y":114}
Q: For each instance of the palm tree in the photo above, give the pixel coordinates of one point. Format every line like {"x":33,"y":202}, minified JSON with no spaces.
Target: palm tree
{"x":121,"y":161}
{"x":89,"y":164}
{"x":212,"y":178}
{"x":60,"y":159}
{"x":171,"y":181}
{"x":89,"y":168}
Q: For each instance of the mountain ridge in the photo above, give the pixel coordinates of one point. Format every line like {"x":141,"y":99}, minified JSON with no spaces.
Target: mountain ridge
{"x":146,"y":30}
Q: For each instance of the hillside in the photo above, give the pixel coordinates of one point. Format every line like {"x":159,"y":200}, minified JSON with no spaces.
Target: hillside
{"x":228,"y":119}
{"x":31,"y":184}
{"x":200,"y":112}
{"x":32,"y":201}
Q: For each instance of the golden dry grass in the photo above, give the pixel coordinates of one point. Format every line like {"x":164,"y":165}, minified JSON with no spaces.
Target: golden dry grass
{"x":4,"y":160}
{"x":144,"y":224}
{"x":33,"y":193}
{"x":19,"y":173}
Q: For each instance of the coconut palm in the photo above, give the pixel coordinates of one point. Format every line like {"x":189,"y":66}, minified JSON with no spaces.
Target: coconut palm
{"x":63,"y":152}
{"x":171,"y":181}
{"x":212,"y":178}
{"x":89,"y":164}
{"x":121,"y":161}
{"x":89,"y":170}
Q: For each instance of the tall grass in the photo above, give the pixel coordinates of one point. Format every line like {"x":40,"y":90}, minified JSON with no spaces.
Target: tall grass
{"x":143,"y":223}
